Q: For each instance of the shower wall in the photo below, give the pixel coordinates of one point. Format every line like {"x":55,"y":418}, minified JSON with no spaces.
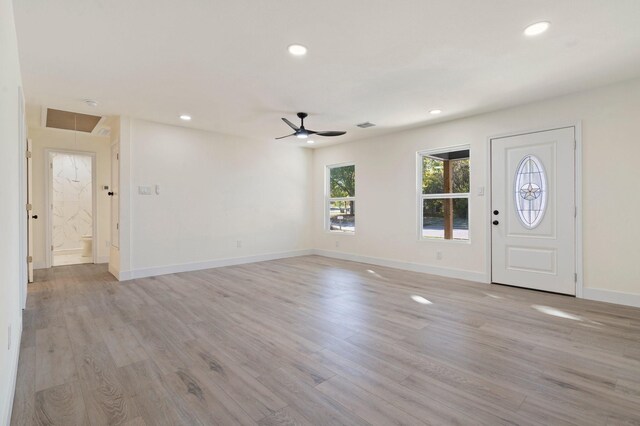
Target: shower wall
{"x":72,"y":200}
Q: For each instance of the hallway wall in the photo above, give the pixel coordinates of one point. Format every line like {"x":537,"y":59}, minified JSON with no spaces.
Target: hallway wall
{"x":11,"y":209}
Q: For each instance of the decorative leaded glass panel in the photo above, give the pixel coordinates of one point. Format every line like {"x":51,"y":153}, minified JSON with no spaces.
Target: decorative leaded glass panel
{"x":530,"y":191}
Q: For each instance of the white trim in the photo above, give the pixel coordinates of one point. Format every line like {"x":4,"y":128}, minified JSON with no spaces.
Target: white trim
{"x":13,"y":372}
{"x":488,"y":264}
{"x":24,"y":216}
{"x":49,"y":190}
{"x":113,"y":271}
{"x":103,"y":259}
{"x":577,"y":132}
{"x":611,"y":296}
{"x":40,"y":265}
{"x":218,"y":263}
{"x":407,"y":266}
{"x":578,"y":200}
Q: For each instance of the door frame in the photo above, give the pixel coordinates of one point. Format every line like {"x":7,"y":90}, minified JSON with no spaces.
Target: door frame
{"x":577,"y":125}
{"x":47,"y":198}
{"x":23,"y":245}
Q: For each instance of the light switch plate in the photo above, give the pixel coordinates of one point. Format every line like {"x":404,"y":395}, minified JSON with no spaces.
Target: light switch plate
{"x":144,"y":190}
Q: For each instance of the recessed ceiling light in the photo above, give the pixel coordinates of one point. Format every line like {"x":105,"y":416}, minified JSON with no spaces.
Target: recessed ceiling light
{"x":185,"y":117}
{"x":536,"y":29}
{"x":311,"y":142}
{"x":91,"y":102}
{"x":435,"y":111}
{"x":297,"y":50}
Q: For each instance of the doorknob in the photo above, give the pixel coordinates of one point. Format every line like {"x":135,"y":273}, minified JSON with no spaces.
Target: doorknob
{"x":35,"y":216}
{"x":110,"y":194}
{"x":495,"y":212}
{"x":495,"y":222}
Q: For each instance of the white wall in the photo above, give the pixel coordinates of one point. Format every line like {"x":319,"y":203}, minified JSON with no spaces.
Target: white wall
{"x":215,"y":190}
{"x":52,"y":139}
{"x":10,"y":209}
{"x":386,"y":175}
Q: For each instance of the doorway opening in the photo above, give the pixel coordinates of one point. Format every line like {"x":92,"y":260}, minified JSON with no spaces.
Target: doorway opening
{"x":71,"y":197}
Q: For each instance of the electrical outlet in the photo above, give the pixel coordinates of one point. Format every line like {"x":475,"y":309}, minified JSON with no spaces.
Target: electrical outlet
{"x":438,"y":255}
{"x":9,"y":338}
{"x":337,"y":244}
{"x":239,"y":243}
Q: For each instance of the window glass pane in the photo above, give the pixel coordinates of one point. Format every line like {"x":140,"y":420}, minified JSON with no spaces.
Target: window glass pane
{"x":432,"y":176}
{"x":342,"y":216}
{"x":434,"y":173}
{"x":446,"y":218}
{"x":460,"y":175}
{"x":342,"y":181}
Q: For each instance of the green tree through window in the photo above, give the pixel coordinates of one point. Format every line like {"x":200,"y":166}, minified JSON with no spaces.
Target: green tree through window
{"x":341,"y":202}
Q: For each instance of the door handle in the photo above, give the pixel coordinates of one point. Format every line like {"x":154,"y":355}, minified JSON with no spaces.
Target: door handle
{"x":35,"y":216}
{"x":495,"y":222}
{"x":110,"y":194}
{"x":495,"y":212}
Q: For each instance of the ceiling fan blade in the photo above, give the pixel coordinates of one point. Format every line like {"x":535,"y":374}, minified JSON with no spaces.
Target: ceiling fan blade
{"x":330,"y":133}
{"x":282,"y":137}
{"x":293,"y":126}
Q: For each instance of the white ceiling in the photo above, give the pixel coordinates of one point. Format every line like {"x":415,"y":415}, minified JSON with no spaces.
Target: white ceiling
{"x":389,"y":62}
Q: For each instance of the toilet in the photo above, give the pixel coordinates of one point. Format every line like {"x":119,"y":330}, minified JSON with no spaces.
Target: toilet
{"x":87,"y":242}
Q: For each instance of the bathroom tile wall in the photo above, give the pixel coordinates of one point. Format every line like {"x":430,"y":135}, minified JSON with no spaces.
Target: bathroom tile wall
{"x":72,"y":202}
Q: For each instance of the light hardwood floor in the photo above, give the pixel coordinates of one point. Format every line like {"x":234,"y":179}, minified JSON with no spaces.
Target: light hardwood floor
{"x":318,"y":341}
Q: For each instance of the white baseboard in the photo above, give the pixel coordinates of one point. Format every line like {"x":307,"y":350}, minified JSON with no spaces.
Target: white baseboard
{"x":610,"y":296}
{"x":13,"y":373}
{"x":103,"y":259}
{"x":39,"y":265}
{"x":196,"y":266}
{"x":408,"y":266}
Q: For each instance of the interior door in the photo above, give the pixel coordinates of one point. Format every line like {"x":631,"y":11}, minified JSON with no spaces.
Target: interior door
{"x":30,"y":214}
{"x":115,"y":195}
{"x":533,"y":210}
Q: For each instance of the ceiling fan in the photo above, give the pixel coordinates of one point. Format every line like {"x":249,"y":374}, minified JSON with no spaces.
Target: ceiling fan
{"x":303,"y":133}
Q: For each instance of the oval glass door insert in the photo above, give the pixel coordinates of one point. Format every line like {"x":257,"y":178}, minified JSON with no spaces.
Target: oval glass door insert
{"x":530,"y":191}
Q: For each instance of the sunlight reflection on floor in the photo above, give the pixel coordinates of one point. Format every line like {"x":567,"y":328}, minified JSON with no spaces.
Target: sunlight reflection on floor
{"x":555,"y":312}
{"x":421,"y":300}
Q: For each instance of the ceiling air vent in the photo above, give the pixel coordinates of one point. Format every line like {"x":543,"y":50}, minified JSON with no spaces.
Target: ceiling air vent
{"x":67,"y":120}
{"x":365,"y":125}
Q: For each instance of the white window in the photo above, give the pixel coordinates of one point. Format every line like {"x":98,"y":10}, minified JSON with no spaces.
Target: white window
{"x":341,"y":198}
{"x":443,"y":188}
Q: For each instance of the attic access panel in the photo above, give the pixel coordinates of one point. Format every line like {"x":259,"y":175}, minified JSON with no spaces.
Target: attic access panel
{"x":67,"y":120}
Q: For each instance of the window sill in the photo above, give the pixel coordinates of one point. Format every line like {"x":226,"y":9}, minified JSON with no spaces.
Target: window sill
{"x":348,"y":234}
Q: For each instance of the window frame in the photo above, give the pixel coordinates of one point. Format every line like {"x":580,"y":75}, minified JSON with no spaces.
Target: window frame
{"x":452,"y":195}
{"x":328,"y":199}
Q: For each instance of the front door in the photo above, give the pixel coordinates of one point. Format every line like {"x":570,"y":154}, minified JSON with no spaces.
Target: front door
{"x":534,"y":210}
